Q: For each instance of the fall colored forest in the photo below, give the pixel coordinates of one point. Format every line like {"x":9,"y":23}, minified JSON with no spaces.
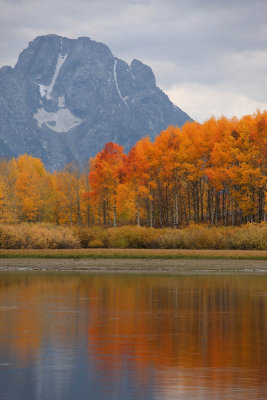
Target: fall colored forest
{"x":212,"y":173}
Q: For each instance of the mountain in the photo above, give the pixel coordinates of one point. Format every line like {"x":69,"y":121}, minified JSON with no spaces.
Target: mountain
{"x":66,"y":98}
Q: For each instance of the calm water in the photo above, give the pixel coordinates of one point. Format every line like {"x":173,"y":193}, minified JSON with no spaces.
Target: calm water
{"x":81,"y":336}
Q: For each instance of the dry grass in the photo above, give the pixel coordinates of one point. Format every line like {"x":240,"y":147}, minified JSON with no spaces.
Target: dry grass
{"x":247,"y":237}
{"x":195,"y":237}
{"x":37,"y":236}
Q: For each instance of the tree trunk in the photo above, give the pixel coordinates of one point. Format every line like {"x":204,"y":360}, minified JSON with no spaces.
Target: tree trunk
{"x":115,"y":214}
{"x":137,"y":212}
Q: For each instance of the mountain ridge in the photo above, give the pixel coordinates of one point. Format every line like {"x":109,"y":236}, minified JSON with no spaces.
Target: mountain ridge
{"x":65,"y":98}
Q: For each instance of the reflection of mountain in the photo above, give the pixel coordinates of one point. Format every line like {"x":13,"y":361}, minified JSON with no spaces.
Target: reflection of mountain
{"x":54,"y":370}
{"x":130,"y":334}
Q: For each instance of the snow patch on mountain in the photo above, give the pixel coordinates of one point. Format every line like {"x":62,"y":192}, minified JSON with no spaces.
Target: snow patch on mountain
{"x":60,"y":121}
{"x":61,"y":101}
{"x":130,"y":69}
{"x":116,"y":82}
{"x":43,"y":89}
{"x":60,"y":61}
{"x":46,"y":90}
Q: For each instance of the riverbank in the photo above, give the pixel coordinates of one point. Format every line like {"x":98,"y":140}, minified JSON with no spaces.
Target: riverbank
{"x":135,"y":260}
{"x":153,"y":254}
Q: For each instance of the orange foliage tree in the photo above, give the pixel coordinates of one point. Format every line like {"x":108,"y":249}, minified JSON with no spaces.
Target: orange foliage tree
{"x":215,"y":173}
{"x":104,"y":178}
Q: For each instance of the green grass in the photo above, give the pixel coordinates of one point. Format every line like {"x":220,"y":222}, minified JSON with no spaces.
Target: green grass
{"x":130,"y":256}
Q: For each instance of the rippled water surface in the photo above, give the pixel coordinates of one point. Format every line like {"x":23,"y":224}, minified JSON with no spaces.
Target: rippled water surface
{"x":82,"y":336}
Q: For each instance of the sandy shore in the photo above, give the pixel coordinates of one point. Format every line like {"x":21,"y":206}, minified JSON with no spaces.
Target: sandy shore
{"x":137,"y":265}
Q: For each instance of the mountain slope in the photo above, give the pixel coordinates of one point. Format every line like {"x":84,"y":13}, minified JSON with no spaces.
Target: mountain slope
{"x":66,"y":98}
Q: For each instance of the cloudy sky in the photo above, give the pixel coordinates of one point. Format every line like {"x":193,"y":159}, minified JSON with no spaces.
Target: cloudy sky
{"x":209,"y":56}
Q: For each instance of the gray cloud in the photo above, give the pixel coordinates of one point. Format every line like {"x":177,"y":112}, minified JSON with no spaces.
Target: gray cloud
{"x":219,"y":46}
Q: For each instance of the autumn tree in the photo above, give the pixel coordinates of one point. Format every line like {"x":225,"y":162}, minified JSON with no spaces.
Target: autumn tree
{"x":31,"y":188}
{"x":104,"y":178}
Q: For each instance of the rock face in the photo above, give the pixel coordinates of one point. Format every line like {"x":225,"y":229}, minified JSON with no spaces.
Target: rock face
{"x":66,"y":98}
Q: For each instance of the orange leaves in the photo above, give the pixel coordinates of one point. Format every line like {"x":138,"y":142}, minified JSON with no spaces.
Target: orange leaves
{"x":105,"y":169}
{"x":104,"y":177}
{"x":215,"y":172}
{"x":30,"y":186}
{"x":198,"y":169}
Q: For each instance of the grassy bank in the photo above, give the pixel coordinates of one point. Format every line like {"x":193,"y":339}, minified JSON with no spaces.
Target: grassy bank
{"x":194,"y":237}
{"x":146,"y":254}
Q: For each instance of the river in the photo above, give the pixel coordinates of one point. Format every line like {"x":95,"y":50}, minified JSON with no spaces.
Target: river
{"x":76,"y":336}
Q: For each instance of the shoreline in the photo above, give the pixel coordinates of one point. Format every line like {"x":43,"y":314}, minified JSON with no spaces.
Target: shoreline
{"x":135,"y":260}
{"x":134,"y":265}
{"x":151,"y":254}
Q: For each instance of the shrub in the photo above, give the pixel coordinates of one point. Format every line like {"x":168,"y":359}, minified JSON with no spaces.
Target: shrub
{"x":37,"y":236}
{"x":92,"y":237}
{"x":249,"y":237}
{"x":133,"y":237}
{"x":48,"y":236}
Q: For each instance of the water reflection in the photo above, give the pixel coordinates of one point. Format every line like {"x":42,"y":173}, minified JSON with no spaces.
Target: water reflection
{"x":80,"y":336}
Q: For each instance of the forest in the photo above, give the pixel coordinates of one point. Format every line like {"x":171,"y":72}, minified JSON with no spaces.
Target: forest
{"x":212,"y":173}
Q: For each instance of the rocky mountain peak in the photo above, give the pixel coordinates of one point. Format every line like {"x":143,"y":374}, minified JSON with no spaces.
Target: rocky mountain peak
{"x":66,"y":98}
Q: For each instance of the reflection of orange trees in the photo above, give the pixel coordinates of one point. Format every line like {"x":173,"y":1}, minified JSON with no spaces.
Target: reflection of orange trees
{"x":177,"y":323}
{"x":196,"y":332}
{"x":28,"y":303}
{"x":172,"y":323}
{"x":19,"y":329}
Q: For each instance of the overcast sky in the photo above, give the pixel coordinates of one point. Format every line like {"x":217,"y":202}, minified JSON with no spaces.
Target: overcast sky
{"x":209,"y":56}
